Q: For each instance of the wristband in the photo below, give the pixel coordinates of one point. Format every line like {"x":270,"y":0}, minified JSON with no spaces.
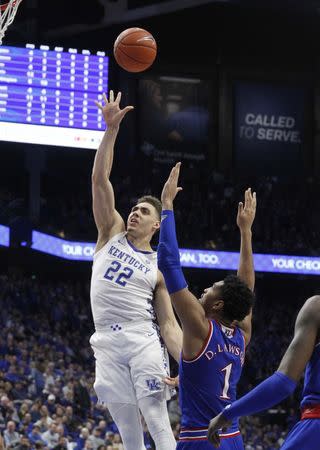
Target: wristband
{"x":168,"y":254}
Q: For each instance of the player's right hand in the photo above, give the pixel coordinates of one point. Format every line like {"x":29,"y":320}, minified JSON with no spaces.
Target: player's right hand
{"x":247,"y":211}
{"x":172,"y":381}
{"x":216,"y":424}
{"x":111,"y":111}
{"x":171,"y":189}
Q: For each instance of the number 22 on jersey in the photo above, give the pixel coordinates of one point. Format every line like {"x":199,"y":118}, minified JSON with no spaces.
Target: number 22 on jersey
{"x":117,"y":273}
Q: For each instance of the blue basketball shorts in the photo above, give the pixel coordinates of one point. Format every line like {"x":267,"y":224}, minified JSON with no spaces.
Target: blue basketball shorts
{"x":305,"y":435}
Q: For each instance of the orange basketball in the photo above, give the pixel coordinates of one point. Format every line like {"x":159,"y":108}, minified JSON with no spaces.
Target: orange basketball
{"x":135,"y":49}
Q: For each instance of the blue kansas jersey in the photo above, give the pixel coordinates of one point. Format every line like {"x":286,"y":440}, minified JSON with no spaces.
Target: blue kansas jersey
{"x":311,"y":390}
{"x":208,"y":382}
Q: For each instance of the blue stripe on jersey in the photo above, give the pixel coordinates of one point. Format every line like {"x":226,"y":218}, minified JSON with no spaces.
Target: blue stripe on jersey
{"x":208,"y":382}
{"x":311,"y":389}
{"x":146,"y":252}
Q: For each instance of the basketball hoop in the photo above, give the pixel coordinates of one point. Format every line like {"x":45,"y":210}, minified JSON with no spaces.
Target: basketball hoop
{"x":8,"y":11}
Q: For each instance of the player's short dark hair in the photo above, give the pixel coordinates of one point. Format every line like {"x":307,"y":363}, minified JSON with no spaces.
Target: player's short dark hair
{"x":237,"y":297}
{"x":154,"y":201}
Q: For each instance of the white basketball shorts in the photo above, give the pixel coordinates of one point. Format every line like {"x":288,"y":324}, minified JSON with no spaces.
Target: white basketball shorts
{"x":130,"y":362}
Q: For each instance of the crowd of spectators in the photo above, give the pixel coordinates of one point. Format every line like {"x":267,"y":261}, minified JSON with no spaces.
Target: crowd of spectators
{"x":286,"y":222}
{"x":47,"y":370}
{"x":47,"y":399}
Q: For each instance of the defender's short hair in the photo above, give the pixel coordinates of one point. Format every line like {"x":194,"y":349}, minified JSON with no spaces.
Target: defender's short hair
{"x":237,"y":297}
{"x":154,"y":201}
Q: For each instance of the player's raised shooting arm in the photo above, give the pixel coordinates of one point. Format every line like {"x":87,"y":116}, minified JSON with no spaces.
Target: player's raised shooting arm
{"x":245,"y":218}
{"x":105,"y":215}
{"x":107,"y":219}
{"x":191,"y":314}
{"x":169,"y":327}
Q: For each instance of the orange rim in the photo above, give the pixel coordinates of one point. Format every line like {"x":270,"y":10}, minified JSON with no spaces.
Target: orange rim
{"x":4,"y":7}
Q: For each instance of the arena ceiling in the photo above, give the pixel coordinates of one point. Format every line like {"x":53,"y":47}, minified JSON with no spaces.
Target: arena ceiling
{"x":199,"y":28}
{"x":60,"y":18}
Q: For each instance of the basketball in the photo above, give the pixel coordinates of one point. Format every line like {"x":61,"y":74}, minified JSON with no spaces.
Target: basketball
{"x":135,"y":49}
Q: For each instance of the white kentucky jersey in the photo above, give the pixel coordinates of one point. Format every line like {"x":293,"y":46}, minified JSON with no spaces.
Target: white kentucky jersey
{"x":122,"y":283}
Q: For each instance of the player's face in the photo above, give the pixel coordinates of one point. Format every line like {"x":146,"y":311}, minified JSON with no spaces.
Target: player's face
{"x":210,"y":297}
{"x":143,"y":220}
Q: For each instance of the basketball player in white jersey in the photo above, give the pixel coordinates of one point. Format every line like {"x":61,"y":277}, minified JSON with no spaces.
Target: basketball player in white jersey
{"x":127,"y":294}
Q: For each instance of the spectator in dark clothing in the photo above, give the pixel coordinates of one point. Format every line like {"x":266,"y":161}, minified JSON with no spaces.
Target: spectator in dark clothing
{"x":24,"y":444}
{"x":81,"y":397}
{"x":62,"y":444}
{"x":7,"y":409}
{"x":51,"y":403}
{"x":19,"y":391}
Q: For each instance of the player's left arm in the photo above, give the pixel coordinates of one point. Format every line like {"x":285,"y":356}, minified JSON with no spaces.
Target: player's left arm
{"x":245,"y":218}
{"x":169,"y":327}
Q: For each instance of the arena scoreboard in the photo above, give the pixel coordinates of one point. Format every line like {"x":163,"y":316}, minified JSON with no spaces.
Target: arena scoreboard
{"x":47,"y":95}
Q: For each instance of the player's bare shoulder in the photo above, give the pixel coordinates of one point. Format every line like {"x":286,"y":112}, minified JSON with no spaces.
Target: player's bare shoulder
{"x":312,"y":306}
{"x":309,"y":314}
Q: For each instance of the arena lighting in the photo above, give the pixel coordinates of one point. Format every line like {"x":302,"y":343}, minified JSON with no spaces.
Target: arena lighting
{"x":4,"y":236}
{"x":180,"y":80}
{"x":201,"y":259}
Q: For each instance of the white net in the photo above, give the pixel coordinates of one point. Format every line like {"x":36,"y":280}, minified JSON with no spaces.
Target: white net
{"x":7,"y":15}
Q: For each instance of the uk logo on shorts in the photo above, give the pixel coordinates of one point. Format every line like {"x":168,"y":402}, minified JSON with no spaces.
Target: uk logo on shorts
{"x":153,"y":384}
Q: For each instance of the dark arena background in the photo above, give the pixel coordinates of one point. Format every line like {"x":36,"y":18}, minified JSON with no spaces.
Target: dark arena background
{"x":239,"y":89}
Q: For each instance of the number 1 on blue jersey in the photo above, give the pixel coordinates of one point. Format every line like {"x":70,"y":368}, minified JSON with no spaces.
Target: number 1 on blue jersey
{"x":227,"y":371}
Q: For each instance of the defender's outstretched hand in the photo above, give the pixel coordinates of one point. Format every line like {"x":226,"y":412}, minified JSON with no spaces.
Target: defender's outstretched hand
{"x":111,"y":111}
{"x":172,"y":381}
{"x":247,"y":211}
{"x":171,"y":189}
{"x":216,"y":424}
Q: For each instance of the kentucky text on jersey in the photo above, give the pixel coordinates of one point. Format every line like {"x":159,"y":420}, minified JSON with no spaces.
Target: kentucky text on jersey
{"x":128,"y":259}
{"x":122,"y":283}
